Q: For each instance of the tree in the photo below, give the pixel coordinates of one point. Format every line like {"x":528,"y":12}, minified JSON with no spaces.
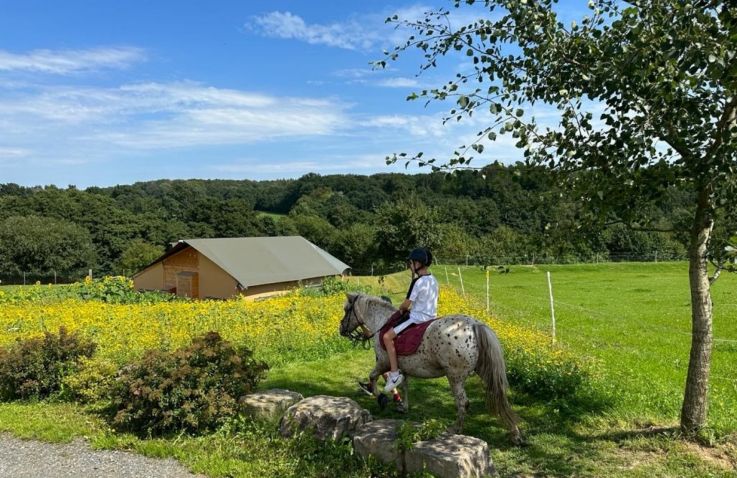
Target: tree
{"x":138,"y":255}
{"x":404,"y":225}
{"x":354,"y":245}
{"x":645,"y":96}
{"x":456,"y":244}
{"x":504,"y":245}
{"x":315,"y":229}
{"x":43,"y":246}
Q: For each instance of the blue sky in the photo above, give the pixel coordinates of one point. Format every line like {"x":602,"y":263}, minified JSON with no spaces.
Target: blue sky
{"x":98,"y":92}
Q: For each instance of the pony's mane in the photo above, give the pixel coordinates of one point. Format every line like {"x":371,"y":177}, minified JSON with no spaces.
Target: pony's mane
{"x":378,"y":301}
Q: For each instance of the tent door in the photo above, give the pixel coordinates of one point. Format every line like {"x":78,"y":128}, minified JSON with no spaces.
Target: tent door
{"x":188,"y":284}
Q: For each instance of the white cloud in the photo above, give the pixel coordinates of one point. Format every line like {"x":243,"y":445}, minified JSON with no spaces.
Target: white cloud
{"x":163,"y":115}
{"x":419,"y":126}
{"x":342,"y":163}
{"x":356,"y":73}
{"x":367,"y":32}
{"x":350,"y":35}
{"x":399,"y":82}
{"x":376,"y":77}
{"x":63,"y":62}
{"x":13,"y":153}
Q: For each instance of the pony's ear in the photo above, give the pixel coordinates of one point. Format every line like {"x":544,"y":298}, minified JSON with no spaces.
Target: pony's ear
{"x":351,"y":296}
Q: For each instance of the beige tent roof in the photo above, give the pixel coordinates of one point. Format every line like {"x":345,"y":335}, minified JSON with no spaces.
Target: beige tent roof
{"x":265,"y":260}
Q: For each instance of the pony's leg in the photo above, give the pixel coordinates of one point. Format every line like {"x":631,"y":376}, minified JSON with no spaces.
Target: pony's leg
{"x":403,"y":407}
{"x":374,"y":376}
{"x":461,"y":399}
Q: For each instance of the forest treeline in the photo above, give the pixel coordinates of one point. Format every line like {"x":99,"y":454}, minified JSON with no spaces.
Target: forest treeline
{"x":499,"y":215}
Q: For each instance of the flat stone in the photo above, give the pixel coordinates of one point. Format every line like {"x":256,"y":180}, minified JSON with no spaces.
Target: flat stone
{"x":329,"y":417}
{"x":270,"y":404}
{"x":378,"y":439}
{"x":450,"y":456}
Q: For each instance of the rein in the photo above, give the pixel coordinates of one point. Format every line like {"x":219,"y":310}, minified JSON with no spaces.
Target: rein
{"x":359,"y":337}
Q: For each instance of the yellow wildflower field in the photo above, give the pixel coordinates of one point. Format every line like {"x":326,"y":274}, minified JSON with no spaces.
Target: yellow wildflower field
{"x":278,"y":330}
{"x":124,"y":331}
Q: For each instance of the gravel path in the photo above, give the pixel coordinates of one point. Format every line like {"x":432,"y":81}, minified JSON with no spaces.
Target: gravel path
{"x":35,"y":459}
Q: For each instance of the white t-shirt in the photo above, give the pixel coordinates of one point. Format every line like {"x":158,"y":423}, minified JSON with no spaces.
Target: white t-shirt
{"x":424,"y":297}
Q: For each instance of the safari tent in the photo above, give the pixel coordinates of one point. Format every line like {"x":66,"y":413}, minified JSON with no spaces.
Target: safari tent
{"x":249,"y":266}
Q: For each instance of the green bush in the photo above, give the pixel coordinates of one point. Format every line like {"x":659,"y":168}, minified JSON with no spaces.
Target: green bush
{"x":332,"y":286}
{"x":91,"y":382}
{"x":110,"y":289}
{"x":192,"y":389}
{"x":572,"y":383}
{"x":35,"y":368}
{"x":116,"y":290}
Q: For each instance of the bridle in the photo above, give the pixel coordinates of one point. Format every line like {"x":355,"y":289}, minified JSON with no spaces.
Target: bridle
{"x":358,"y":337}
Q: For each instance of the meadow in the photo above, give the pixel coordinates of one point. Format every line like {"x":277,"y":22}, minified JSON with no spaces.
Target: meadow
{"x":634,"y":320}
{"x":623,"y":328}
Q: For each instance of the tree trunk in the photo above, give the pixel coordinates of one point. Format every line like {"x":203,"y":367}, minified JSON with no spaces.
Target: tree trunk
{"x":695,"y":400}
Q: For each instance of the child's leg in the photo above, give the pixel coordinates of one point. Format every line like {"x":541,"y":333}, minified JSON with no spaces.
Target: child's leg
{"x":395,"y":376}
{"x":390,"y":350}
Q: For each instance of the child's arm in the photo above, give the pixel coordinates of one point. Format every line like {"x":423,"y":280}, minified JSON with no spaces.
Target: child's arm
{"x":404,"y":307}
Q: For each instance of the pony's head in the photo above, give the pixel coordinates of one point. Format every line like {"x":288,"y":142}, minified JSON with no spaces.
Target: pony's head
{"x":349,"y":325}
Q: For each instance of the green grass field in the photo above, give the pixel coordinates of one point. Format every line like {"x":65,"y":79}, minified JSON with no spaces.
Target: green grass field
{"x":272,"y":215}
{"x":633,"y":319}
{"x":636,"y":318}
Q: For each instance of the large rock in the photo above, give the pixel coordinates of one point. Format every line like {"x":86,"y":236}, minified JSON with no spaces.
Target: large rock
{"x":450,"y":456}
{"x":329,"y":417}
{"x":378,"y":439}
{"x":270,"y":404}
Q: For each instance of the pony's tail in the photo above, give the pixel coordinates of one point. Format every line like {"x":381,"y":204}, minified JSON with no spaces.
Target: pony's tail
{"x":490,"y":367}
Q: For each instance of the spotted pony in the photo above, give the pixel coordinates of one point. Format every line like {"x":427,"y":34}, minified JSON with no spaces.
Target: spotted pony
{"x":454,"y":346}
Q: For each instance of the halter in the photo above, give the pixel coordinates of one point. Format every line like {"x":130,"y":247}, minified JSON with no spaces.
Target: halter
{"x":358,"y":337}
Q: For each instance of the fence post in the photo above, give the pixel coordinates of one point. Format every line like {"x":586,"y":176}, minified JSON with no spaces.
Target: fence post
{"x":24,"y":278}
{"x":460,"y":276}
{"x":447,"y":281}
{"x":488,"y":297}
{"x":552,"y":306}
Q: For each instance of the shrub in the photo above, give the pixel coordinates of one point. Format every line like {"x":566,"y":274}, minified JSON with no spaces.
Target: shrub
{"x":192,"y":389}
{"x":534,"y":365}
{"x":116,"y":290}
{"x":92,"y":381}
{"x":34,"y":368}
{"x":109,"y":289}
{"x":332,"y":286}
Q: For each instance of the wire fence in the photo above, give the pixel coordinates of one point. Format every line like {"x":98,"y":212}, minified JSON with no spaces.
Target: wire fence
{"x":455,"y":280}
{"x":533,"y":259}
{"x":30,"y":278}
{"x":490,"y":261}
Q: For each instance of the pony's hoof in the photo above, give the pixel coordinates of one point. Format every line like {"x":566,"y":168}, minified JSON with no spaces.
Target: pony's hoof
{"x":401,"y":407}
{"x":382,"y":400}
{"x":519,"y":440}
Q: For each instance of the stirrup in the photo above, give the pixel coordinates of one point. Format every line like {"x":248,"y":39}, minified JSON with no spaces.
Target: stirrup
{"x":366,"y":388}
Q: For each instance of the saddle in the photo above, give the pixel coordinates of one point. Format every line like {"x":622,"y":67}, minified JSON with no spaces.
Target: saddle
{"x":410,"y":339}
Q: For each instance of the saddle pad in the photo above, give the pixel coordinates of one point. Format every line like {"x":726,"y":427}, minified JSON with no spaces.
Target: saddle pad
{"x":409,"y":340}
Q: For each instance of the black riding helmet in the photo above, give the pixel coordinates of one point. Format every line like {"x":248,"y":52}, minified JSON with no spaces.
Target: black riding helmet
{"x":421,"y":255}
